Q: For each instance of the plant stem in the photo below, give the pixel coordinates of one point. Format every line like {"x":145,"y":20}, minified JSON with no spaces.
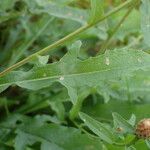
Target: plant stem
{"x":75,"y":109}
{"x":66,"y":38}
{"x":106,"y":44}
{"x":20,"y":53}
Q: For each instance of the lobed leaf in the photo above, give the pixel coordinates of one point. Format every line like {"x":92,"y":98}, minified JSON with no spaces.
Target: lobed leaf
{"x":52,"y":136}
{"x":74,"y":73}
{"x":98,"y":128}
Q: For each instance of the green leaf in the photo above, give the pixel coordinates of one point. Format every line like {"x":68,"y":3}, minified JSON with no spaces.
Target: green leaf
{"x":141,"y":145}
{"x":130,"y":26}
{"x":83,"y":93}
{"x":55,"y":136}
{"x":147,"y":143}
{"x":74,"y":73}
{"x":122,"y":123}
{"x":3,"y":88}
{"x":22,"y":140}
{"x":47,"y":145}
{"x":124,"y":108}
{"x":132,"y":88}
{"x":130,"y":148}
{"x":5,"y":147}
{"x":132,"y":120}
{"x":58,"y":10}
{"x":33,"y":31}
{"x":96,"y":10}
{"x":40,"y":60}
{"x":7,"y":4}
{"x":58,"y":107}
{"x":98,"y":128}
{"x":145,"y":20}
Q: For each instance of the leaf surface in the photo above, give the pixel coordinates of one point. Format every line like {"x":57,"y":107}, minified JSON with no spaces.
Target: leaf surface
{"x":74,"y":73}
{"x":58,"y":10}
{"x":119,"y":121}
{"x":98,"y":128}
{"x":57,"y":137}
{"x":96,"y":10}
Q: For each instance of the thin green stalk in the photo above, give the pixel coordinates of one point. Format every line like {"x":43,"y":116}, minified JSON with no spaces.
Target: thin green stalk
{"x":21,"y":52}
{"x":65,"y":39}
{"x":75,"y":109}
{"x":106,"y":44}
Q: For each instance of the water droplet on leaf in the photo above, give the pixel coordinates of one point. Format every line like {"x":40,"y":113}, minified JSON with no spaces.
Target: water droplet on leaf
{"x":107,"y":61}
{"x":61,"y":78}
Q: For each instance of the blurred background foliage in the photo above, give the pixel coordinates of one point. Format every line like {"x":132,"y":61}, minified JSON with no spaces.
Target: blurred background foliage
{"x":27,"y":26}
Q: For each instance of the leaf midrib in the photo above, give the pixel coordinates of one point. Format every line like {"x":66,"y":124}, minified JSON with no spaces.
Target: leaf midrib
{"x":71,"y":75}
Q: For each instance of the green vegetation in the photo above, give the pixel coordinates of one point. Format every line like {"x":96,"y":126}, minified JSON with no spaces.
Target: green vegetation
{"x":74,"y":75}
